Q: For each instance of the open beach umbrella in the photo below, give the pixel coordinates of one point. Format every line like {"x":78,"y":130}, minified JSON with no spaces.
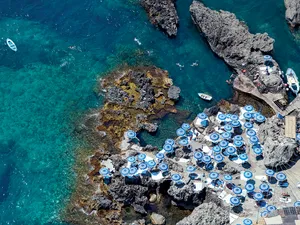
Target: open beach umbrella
{"x":297,"y":204}
{"x":271,"y":208}
{"x":231,"y":150}
{"x":228,"y":127}
{"x":160,"y":155}
{"x":257,"y":150}
{"x":235,"y":201}
{"x":132,"y":170}
{"x":249,"y":187}
{"x":143,"y":166}
{"x":204,"y":123}
{"x":170,"y":141}
{"x":258,"y":196}
{"x":238,"y":144}
{"x":104,"y":171}
{"x":202,"y":116}
{"x":247,"y":115}
{"x":234,"y":117}
{"x":251,"y":132}
{"x":223,"y":144}
{"x":184,"y":142}
{"x":243,"y":157}
{"x":221,"y":116}
{"x":125,"y":172}
{"x":254,"y":140}
{"x":219,"y":158}
{"x":163,"y":167}
{"x":131,"y":159}
{"x":226,"y":135}
{"x":248,"y":174}
{"x":214,"y":175}
{"x":185,"y":126}
{"x":141,"y":156}
{"x":281,"y":176}
{"x":214,"y":137}
{"x":190,"y":168}
{"x":237,"y":190}
{"x":247,"y":221}
{"x":260,"y":118}
{"x":248,"y":125}
{"x":249,"y":108}
{"x":238,"y":138}
{"x":151,"y":164}
{"x":227,"y":177}
{"x":180,"y":132}
{"x":217,"y":149}
{"x":176,"y":177}
{"x":198,"y":155}
{"x":131,"y":134}
{"x":264,"y":213}
{"x":270,"y":172}
{"x":168,"y":148}
{"x":267,"y":57}
{"x":235,"y":123}
{"x":206,"y":159}
{"x":264,"y":187}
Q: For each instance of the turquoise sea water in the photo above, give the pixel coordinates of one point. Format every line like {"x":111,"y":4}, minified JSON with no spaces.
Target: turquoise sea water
{"x":63,"y":46}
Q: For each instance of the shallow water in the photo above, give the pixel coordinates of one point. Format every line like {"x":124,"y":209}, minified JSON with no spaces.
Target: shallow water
{"x":63,"y":46}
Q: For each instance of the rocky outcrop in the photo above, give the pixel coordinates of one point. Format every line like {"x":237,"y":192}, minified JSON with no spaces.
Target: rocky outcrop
{"x":174,"y":93}
{"x":207,"y":213}
{"x":292,"y":13}
{"x":278,"y":149}
{"x":157,"y":219}
{"x":163,"y":14}
{"x":231,"y":40}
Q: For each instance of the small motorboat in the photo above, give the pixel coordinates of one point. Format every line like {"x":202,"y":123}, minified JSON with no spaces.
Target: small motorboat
{"x":205,"y":96}
{"x":292,"y":81}
{"x":11,"y":44}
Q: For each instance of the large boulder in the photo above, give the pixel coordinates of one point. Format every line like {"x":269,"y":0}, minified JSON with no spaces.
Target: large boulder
{"x":174,"y":92}
{"x":163,"y":14}
{"x":207,"y":213}
{"x":157,"y":219}
{"x":292,"y":13}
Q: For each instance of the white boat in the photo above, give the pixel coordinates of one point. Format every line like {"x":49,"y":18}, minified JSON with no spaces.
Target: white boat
{"x":11,"y":44}
{"x":292,"y":81}
{"x":205,"y":96}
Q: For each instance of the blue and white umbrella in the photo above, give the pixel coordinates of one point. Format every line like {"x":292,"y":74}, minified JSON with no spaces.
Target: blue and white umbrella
{"x":190,"y":168}
{"x":260,"y":118}
{"x":238,"y":138}
{"x":132,"y":170}
{"x":176,"y":177}
{"x":264,"y":187}
{"x":249,"y":187}
{"x":185,"y":126}
{"x":281,"y":176}
{"x":251,"y":132}
{"x":223,"y":144}
{"x":131,"y":159}
{"x":170,"y":141}
{"x":151,"y":163}
{"x":228,"y":127}
{"x":160,"y":155}
{"x":217,"y":149}
{"x":235,"y":201}
{"x":270,"y":172}
{"x":247,"y":115}
{"x":104,"y":171}
{"x":264,"y":213}
{"x":226,"y":135}
{"x":248,"y":125}
{"x":163,"y":167}
{"x":298,"y":136}
{"x":143,"y":166}
{"x":202,"y":116}
{"x":125,"y":172}
{"x":297,"y":204}
{"x":231,"y":150}
{"x":221,"y":116}
{"x":168,"y":148}
{"x":254,"y":140}
{"x":184,"y":142}
{"x":249,"y":108}
{"x":234,"y":117}
{"x":214,"y":137}
{"x":180,"y":132}
{"x":219,"y":158}
{"x":271,"y":208}
{"x":237,"y":190}
{"x":243,"y":157}
{"x":247,"y":221}
{"x":227,"y":177}
{"x":258,"y":196}
{"x":248,"y":174}
{"x":131,"y":134}
{"x":204,"y":123}
{"x":198,"y":155}
{"x":267,"y":57}
{"x":141,"y":156}
{"x":236,"y":123}
{"x":214,"y":175}
{"x":238,"y":144}
{"x":257,"y":150}
{"x":206,"y":159}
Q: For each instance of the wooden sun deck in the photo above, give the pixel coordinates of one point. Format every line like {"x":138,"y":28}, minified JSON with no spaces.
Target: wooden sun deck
{"x":290,"y":126}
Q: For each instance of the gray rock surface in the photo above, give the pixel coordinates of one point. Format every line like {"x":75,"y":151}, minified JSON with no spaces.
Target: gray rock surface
{"x":150,"y":127}
{"x":163,"y":14}
{"x":174,"y":92}
{"x":278,"y":149}
{"x":150,"y":148}
{"x":157,"y":219}
{"x":292,"y":13}
{"x":207,"y":213}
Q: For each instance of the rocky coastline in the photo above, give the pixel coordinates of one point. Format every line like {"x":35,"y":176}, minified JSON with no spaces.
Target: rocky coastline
{"x":292,"y":13}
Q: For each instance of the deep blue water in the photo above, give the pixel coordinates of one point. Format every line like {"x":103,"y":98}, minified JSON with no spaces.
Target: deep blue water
{"x":63,"y":46}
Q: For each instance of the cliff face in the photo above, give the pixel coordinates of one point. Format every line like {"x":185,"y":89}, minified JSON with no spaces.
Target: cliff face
{"x":163,"y":14}
{"x":292,"y":13}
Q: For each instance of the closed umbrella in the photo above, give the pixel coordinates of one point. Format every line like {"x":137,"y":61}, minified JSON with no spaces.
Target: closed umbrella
{"x":235,"y":201}
{"x":231,"y":150}
{"x":223,"y":144}
{"x":131,"y":134}
{"x":214,"y":137}
{"x":217,"y":149}
{"x":237,"y":190}
{"x":141,"y":156}
{"x":170,"y":141}
{"x":281,"y":176}
{"x":226,"y":135}
{"x":248,"y":125}
{"x":219,"y":158}
{"x":180,"y":132}
{"x":249,"y":187}
{"x":249,"y":108}
{"x":251,"y":132}
{"x":248,"y":174}
{"x":202,"y":116}
{"x":160,"y":155}
{"x":258,"y":196}
{"x":198,"y":155}
{"x":185,"y":126}
{"x":176,"y":177}
{"x":168,"y":148}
